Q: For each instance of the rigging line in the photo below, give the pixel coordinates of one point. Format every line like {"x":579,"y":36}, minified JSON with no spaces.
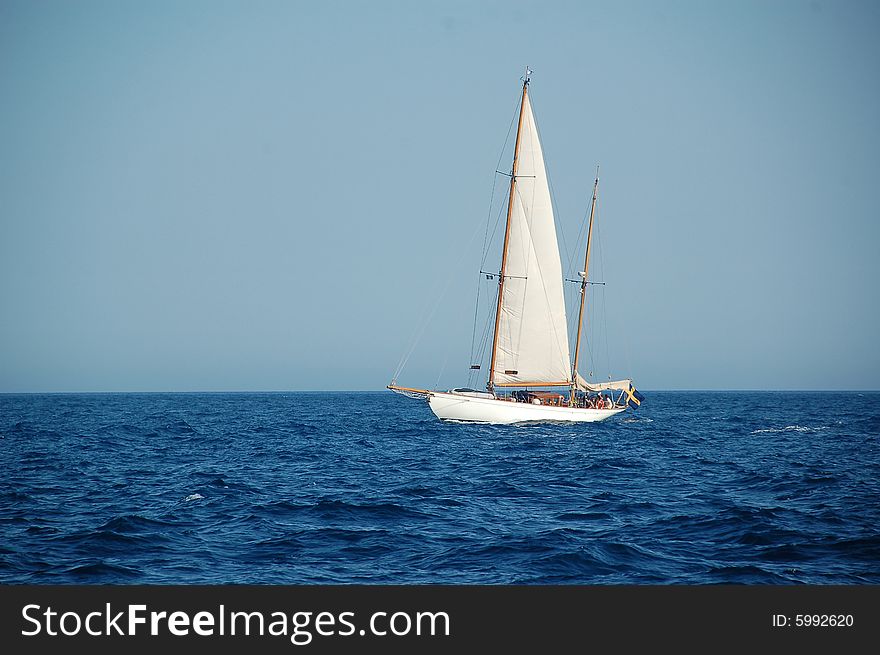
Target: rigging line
{"x":574,"y":320}
{"x":605,"y":329}
{"x":501,"y":213}
{"x":569,"y":267}
{"x":592,"y":359}
{"x":489,"y":214}
{"x":557,"y":224}
{"x":577,"y":245}
{"x":438,"y":298}
{"x":572,"y":317}
{"x":594,"y":330}
{"x":476,"y":310}
{"x":599,"y":245}
{"x":495,"y":178}
{"x":626,"y":356}
{"x":442,"y":368}
{"x":421,"y":331}
{"x":488,"y":322}
{"x":486,"y":328}
{"x":601,"y":303}
{"x":407,"y":354}
{"x":604,"y":296}
{"x":605,"y":314}
{"x":420,"y":325}
{"x":481,"y":353}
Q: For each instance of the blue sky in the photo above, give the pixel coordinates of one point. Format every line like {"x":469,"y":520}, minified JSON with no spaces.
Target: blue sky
{"x":262,"y":195}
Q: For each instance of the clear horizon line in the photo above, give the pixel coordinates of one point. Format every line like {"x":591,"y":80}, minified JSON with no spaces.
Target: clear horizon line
{"x":378,"y":390}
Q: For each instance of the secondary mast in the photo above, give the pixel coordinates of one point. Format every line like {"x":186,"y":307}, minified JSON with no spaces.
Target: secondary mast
{"x":577,"y":343}
{"x":491,"y":383}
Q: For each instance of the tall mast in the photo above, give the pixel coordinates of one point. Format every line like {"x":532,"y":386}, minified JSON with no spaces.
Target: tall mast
{"x":577,"y":343}
{"x":491,"y":384}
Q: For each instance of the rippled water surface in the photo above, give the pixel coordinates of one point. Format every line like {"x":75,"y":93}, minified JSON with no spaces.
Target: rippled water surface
{"x":370,"y":488}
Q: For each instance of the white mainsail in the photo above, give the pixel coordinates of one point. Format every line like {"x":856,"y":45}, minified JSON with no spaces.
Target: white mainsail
{"x":532,"y":345}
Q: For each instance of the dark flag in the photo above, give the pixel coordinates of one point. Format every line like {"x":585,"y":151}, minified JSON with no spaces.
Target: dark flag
{"x":633,"y":398}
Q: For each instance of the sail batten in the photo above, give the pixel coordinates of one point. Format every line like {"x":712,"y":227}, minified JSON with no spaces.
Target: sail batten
{"x":531,"y":345}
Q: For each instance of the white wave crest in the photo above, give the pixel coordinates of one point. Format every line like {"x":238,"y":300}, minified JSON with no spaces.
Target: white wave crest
{"x":792,"y":428}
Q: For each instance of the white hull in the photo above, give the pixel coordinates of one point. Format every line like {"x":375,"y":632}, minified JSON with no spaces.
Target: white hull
{"x":458,"y":407}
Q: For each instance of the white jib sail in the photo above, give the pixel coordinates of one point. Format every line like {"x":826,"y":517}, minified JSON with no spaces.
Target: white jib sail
{"x":532,"y":342}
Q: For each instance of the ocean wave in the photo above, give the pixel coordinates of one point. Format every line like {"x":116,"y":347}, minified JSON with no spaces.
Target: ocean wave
{"x":41,"y":530}
{"x":505,"y":489}
{"x":584,"y":516}
{"x":14,"y":496}
{"x":746,"y":574}
{"x":222,"y":483}
{"x":863,"y":548}
{"x":360,"y":489}
{"x":791,"y":428}
{"x":340,"y":509}
{"x":101,"y":541}
{"x":416,"y":491}
{"x":102,"y":570}
{"x":572,"y":565}
{"x":133,"y":524}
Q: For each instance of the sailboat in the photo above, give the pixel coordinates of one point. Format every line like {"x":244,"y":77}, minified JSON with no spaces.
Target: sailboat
{"x":532,"y":377}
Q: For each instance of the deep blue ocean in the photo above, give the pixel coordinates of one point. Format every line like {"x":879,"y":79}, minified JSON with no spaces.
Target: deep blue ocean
{"x":301,"y":488}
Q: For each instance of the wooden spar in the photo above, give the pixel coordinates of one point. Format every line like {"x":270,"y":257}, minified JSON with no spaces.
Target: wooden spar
{"x":491,"y":384}
{"x":577,"y":343}
{"x":394,"y":387}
